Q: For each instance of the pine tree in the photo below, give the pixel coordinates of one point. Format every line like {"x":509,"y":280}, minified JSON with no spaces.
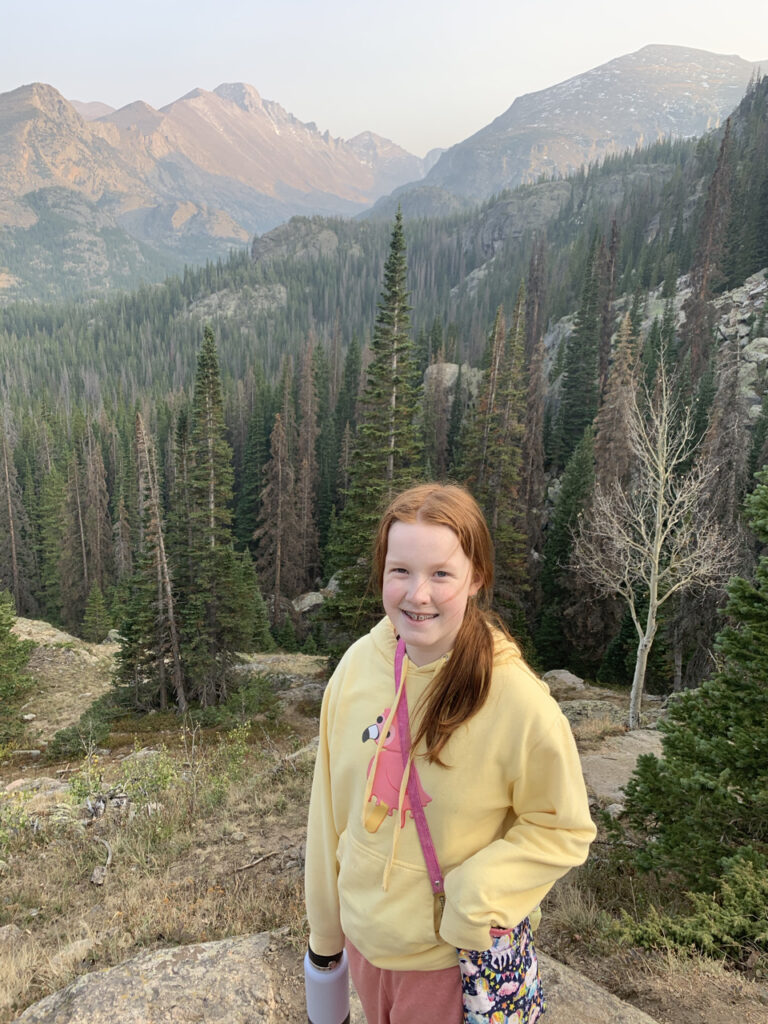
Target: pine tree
{"x":14,"y":681}
{"x":74,"y":563}
{"x":306,"y":476}
{"x":17,"y":568}
{"x":613,"y":456}
{"x":387,"y":455}
{"x":96,"y":621}
{"x":52,"y":535}
{"x":213,"y":615}
{"x":278,"y":536}
{"x":96,"y":519}
{"x":255,"y":454}
{"x":580,"y":386}
{"x":576,"y":488}
{"x":707,"y":798}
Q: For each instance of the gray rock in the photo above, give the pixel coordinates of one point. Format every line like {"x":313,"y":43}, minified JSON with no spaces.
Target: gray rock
{"x":226,"y":982}
{"x":10,"y":934}
{"x":563,"y":677}
{"x":582,"y":710}
{"x":231,"y":982}
{"x":307,"y":602}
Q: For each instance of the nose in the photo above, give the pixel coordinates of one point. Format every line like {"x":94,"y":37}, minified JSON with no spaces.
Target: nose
{"x":418,"y":592}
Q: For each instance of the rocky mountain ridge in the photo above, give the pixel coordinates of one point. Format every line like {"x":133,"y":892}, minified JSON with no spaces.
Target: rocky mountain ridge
{"x":186,"y":182}
{"x":629,"y":102}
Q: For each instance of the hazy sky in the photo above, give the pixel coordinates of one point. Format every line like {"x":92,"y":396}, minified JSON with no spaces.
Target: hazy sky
{"x":423,"y":73}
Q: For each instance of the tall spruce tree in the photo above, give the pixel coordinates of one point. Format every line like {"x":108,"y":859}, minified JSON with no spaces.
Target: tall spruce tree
{"x":580,"y":386}
{"x":552,"y":646}
{"x":211,"y":633}
{"x":278,"y":534}
{"x":387,"y":452}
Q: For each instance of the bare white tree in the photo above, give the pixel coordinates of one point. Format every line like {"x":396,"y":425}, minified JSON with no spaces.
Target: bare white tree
{"x":655,"y":539}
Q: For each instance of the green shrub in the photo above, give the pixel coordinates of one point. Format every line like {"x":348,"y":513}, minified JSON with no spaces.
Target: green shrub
{"x":142,"y":778}
{"x":725,"y":923}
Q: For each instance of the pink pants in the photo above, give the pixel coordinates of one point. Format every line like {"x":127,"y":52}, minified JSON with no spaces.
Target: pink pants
{"x":406,"y":997}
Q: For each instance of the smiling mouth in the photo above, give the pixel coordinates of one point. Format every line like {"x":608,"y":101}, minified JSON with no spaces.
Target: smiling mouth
{"x":417,"y":618}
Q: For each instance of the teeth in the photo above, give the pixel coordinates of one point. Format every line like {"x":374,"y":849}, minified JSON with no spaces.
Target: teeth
{"x":419,"y":618}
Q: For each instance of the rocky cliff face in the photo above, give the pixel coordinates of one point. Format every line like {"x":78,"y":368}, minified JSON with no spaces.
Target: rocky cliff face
{"x":631,"y":101}
{"x":190,"y":181}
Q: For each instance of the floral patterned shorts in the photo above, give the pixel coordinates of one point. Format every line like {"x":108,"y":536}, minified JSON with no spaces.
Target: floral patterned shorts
{"x":501,"y":985}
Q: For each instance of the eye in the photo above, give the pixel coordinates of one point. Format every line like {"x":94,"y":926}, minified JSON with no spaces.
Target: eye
{"x":399,"y":570}
{"x":442,"y":574}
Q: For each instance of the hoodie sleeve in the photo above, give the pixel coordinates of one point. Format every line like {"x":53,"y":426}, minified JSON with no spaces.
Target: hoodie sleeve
{"x":551,"y":832}
{"x":321,"y":869}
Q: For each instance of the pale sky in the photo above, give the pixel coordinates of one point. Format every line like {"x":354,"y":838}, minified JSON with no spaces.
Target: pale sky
{"x":423,"y":73}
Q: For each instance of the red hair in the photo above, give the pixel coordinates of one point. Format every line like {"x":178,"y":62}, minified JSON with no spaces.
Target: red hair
{"x":461,"y":687}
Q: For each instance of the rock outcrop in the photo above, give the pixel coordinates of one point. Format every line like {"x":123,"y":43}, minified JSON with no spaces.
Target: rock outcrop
{"x":234,"y":981}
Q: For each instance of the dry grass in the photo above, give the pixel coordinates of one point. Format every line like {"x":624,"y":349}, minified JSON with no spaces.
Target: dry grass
{"x":175,"y":875}
{"x":589,"y":733}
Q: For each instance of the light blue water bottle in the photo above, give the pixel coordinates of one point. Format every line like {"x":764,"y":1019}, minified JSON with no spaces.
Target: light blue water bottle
{"x":327,"y":991}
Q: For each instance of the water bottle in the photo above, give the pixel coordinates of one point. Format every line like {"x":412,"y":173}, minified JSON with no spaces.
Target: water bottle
{"x":327,"y":992}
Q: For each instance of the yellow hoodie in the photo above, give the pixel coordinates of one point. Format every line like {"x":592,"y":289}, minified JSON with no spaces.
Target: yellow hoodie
{"x":508,"y":816}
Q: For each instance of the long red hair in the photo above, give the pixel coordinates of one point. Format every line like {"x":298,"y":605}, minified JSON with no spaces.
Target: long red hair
{"x":461,"y":687}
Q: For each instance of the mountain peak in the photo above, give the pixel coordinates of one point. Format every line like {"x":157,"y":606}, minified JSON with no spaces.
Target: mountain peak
{"x":240,"y":93}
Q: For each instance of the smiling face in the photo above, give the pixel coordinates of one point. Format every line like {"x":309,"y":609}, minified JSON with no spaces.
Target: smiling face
{"x":427,"y":582}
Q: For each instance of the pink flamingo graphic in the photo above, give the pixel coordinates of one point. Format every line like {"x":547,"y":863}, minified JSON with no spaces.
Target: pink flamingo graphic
{"x":389,"y":775}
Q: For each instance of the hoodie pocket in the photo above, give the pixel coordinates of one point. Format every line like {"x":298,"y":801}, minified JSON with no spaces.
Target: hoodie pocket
{"x":396,"y":922}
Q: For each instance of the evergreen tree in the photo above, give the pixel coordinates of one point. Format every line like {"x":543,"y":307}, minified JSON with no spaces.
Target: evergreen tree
{"x":613,"y":455}
{"x":214,"y":619}
{"x":306,"y":476}
{"x":387,"y":454}
{"x":14,"y":681}
{"x":278,"y":535}
{"x":255,"y":455}
{"x":580,"y":391}
{"x":707,"y":798}
{"x":575,"y":491}
{"x":532,"y":479}
{"x":17,"y":568}
{"x":96,"y":622}
{"x":52,"y":536}
{"x":325,"y":451}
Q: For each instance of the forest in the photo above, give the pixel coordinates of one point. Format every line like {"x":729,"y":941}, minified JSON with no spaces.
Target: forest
{"x":182,"y":462}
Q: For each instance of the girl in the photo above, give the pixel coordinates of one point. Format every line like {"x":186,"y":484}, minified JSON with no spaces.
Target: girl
{"x":494,"y":768}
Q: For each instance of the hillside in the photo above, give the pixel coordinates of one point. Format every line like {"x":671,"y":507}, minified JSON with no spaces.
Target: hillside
{"x":207,"y":842}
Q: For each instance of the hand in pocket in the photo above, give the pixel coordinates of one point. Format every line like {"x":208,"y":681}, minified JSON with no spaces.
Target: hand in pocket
{"x":501,"y":984}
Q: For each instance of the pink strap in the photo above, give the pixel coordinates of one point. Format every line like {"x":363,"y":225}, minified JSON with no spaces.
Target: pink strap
{"x":412,"y":788}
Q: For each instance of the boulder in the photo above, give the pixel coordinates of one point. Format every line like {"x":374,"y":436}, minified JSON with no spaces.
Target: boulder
{"x":607,"y":772}
{"x":225,"y":982}
{"x":233,"y":982}
{"x":582,"y":710}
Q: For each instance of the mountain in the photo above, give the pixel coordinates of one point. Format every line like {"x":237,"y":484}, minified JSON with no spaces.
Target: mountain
{"x":137,"y":192}
{"x":658,"y":91}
